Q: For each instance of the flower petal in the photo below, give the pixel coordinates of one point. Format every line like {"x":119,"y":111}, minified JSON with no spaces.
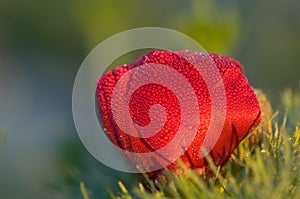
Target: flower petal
{"x":242,"y":108}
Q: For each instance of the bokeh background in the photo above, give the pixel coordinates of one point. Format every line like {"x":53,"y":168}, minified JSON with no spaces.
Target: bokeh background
{"x":42,"y":44}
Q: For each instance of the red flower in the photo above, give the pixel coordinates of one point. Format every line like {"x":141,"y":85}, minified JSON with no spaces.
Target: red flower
{"x":242,"y":108}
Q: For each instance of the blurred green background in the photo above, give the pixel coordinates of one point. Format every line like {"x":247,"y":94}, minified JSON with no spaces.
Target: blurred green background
{"x":42,"y":44}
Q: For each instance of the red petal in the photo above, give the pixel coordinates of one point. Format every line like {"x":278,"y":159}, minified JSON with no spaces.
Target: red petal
{"x":242,"y":108}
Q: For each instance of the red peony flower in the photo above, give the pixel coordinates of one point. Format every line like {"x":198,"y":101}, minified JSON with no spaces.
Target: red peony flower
{"x":242,"y":108}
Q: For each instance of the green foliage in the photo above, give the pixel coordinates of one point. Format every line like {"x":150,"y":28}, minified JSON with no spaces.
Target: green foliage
{"x":270,"y":170}
{"x":291,"y":102}
{"x":217,"y":33}
{"x":83,"y":191}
